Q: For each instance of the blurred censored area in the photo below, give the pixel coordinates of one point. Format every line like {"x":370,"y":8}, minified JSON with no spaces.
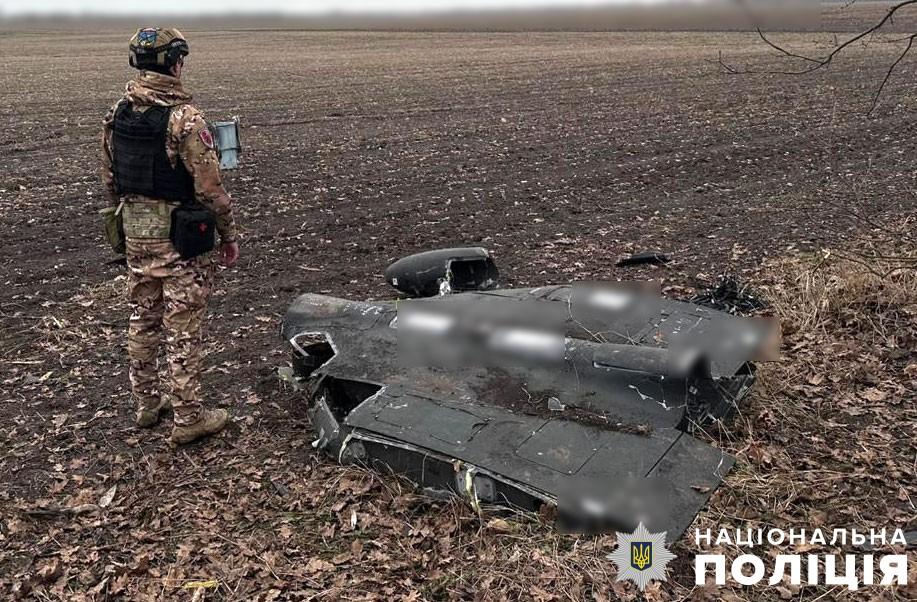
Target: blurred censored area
{"x":454,"y":332}
{"x":620,"y":373}
{"x":590,"y":506}
{"x":449,"y":333}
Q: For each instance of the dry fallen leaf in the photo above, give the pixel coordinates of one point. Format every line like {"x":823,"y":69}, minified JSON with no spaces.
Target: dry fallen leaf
{"x":317,"y":565}
{"x":874,"y":394}
{"x":499,"y":525}
{"x":108,"y":497}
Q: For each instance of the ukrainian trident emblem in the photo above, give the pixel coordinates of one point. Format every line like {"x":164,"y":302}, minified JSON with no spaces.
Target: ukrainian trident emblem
{"x":641,"y":555}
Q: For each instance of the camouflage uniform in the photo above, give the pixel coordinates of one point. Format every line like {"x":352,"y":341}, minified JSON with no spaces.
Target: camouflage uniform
{"x":168,"y":293}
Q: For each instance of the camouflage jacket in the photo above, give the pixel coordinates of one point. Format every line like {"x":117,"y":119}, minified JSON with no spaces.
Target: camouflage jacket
{"x":188,"y":141}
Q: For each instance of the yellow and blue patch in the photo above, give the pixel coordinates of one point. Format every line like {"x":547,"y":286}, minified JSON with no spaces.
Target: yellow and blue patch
{"x":147,"y":37}
{"x":641,"y":555}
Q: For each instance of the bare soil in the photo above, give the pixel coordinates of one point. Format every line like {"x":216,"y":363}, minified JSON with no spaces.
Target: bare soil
{"x":559,"y":152}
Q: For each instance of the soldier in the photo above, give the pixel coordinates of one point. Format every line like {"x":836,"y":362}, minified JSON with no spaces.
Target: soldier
{"x":158,"y":154}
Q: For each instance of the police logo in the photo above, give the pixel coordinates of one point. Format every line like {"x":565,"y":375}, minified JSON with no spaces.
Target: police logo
{"x":641,"y":557}
{"x":146,"y":38}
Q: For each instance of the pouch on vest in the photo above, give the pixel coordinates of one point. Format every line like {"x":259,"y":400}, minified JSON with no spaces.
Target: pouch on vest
{"x":113,"y":225}
{"x":193,"y":230}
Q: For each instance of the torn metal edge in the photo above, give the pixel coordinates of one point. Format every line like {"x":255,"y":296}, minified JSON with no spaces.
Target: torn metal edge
{"x":302,"y":351}
{"x":532,"y":491}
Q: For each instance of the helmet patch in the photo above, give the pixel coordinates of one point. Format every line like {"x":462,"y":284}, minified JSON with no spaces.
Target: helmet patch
{"x":146,"y":38}
{"x":206,"y":138}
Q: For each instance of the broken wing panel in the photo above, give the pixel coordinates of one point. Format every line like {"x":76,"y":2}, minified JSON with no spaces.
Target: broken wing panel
{"x":549,"y":459}
{"x":698,"y":469}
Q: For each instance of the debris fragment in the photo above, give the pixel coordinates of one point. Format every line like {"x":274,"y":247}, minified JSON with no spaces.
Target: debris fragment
{"x":644,"y":258}
{"x":729,"y":294}
{"x":555,"y":405}
{"x":443,"y":271}
{"x":366,"y":407}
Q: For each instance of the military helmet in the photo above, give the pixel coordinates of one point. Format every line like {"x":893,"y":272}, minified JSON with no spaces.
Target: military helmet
{"x":153,"y":47}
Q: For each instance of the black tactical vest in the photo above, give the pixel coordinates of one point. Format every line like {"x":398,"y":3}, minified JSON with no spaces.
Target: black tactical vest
{"x":139,"y":160}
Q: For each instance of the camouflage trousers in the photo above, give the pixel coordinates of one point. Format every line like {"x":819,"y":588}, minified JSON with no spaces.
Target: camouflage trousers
{"x":168,"y":296}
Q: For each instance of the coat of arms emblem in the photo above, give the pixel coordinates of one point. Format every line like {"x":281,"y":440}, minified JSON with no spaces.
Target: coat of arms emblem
{"x":641,"y":556}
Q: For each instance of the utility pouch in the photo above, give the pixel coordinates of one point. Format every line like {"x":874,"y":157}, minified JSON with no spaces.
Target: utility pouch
{"x":113,"y":224}
{"x":193,"y":230}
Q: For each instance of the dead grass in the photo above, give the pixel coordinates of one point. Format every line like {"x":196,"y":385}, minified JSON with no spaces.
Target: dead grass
{"x":827,"y":437}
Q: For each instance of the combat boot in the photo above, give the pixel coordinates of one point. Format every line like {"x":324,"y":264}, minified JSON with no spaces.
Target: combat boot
{"x":211,"y":421}
{"x":147,"y":418}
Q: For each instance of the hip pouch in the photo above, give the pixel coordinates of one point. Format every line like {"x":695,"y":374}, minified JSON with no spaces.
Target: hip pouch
{"x":193,"y":230}
{"x":113,"y":225}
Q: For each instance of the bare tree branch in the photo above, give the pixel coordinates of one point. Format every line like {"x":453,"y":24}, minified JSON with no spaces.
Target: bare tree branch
{"x":875,"y":100}
{"x":815,"y":63}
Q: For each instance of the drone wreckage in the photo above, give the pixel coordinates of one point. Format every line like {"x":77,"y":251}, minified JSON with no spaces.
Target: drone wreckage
{"x":580,"y":396}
